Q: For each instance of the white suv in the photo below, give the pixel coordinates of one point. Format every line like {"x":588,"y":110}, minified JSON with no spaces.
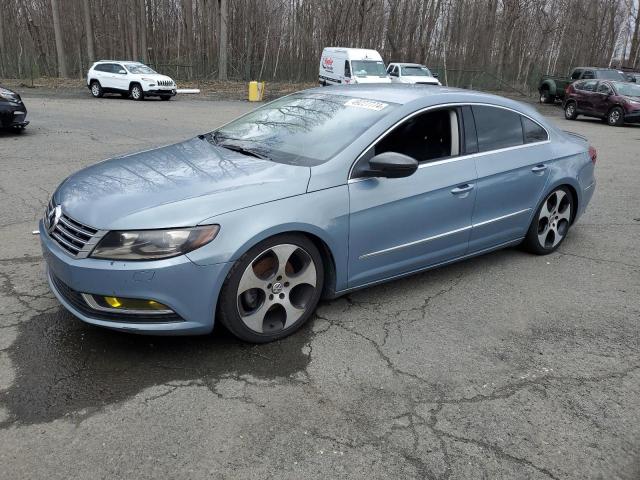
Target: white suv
{"x":128,"y":79}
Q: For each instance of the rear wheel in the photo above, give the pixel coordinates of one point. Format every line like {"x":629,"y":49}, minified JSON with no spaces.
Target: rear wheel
{"x":96,"y":89}
{"x":615,"y":117}
{"x":273,"y":289}
{"x":570,"y":112}
{"x":551,"y":222}
{"x":136,"y":92}
{"x":546,"y":96}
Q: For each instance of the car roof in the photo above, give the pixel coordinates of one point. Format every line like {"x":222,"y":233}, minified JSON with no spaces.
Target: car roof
{"x":133,"y":62}
{"x":403,"y":64}
{"x":594,"y":68}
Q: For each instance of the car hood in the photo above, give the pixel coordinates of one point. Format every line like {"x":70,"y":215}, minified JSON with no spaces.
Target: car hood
{"x":155,"y":76}
{"x":421,"y":79}
{"x":176,"y":185}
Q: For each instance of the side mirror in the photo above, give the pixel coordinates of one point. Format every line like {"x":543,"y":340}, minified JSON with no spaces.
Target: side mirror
{"x":391,"y":165}
{"x":122,"y":72}
{"x":394,"y":74}
{"x":435,"y":75}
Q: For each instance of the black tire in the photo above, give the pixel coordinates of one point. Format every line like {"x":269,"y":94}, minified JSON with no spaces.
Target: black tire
{"x":136,"y":92}
{"x":546,"y":96}
{"x":561,"y":225}
{"x":165,"y":97}
{"x":229,"y":305}
{"x":96,"y":89}
{"x":615,"y":117}
{"x":570,"y":110}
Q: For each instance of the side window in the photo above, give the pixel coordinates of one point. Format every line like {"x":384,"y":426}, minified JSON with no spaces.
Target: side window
{"x":588,"y":74}
{"x":427,"y":137}
{"x":117,"y":68}
{"x":497,"y":128}
{"x":396,"y":71}
{"x":576,"y":74}
{"x":347,"y":69}
{"x":102,"y":67}
{"x":590,"y":86}
{"x":533,"y":132}
{"x":389,"y":68}
{"x":604,"y":88}
{"x":469,"y":130}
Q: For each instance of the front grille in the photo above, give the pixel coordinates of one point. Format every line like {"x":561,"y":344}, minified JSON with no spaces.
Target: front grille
{"x":73,"y":237}
{"x":165,"y":83}
{"x":75,"y":299}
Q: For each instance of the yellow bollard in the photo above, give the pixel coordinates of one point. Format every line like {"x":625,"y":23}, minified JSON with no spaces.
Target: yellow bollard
{"x":256,"y":91}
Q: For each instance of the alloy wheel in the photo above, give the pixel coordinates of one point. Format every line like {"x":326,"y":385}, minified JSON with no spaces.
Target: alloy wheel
{"x":95,"y":89}
{"x":570,"y":111}
{"x":554,"y":219}
{"x":276,"y":288}
{"x":136,"y":93}
{"x":614,"y":117}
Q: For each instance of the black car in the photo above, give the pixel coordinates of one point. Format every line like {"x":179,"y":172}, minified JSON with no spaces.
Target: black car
{"x":13,"y":113}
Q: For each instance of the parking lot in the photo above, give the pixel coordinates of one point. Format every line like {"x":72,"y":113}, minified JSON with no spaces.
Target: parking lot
{"x":504,"y":366}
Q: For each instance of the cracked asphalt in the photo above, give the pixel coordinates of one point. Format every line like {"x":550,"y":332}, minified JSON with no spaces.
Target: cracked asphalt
{"x":504,"y":366}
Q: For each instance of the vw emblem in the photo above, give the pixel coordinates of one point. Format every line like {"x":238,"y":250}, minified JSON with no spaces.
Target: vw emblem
{"x":53,"y":217}
{"x":276,"y":288}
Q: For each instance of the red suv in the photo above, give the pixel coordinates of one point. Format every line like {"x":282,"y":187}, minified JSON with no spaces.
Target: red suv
{"x":615,"y":102}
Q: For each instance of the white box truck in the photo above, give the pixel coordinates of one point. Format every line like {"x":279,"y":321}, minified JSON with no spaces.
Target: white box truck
{"x":339,"y":66}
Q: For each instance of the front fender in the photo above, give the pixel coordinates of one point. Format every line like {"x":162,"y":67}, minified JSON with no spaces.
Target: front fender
{"x":323,"y":214}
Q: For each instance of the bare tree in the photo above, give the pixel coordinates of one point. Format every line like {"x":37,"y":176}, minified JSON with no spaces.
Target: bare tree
{"x":62,"y":60}
{"x":222,"y":42}
{"x":88,"y":29}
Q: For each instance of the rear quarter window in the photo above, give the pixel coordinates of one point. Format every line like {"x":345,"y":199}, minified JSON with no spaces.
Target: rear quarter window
{"x":533,"y":132}
{"x":497,"y":128}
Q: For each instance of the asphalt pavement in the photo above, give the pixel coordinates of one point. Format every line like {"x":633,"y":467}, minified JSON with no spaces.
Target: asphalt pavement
{"x":508,"y":365}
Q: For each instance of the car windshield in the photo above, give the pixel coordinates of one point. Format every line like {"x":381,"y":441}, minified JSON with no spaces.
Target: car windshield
{"x":611,"y":75}
{"x":139,"y":69}
{"x":368,"y":68}
{"x":414,"y":71}
{"x":301,"y":129}
{"x":627,"y":89}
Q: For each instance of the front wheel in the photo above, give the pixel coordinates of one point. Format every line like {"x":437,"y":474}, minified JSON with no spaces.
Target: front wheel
{"x":136,"y":92}
{"x":551,"y":222}
{"x":273,"y":289}
{"x":615,"y":117}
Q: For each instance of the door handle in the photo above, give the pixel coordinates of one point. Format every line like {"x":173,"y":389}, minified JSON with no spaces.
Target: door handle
{"x":459,"y":190}
{"x":539,"y":168}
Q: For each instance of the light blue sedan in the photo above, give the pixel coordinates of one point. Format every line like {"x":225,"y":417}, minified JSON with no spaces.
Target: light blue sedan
{"x":315,"y":194}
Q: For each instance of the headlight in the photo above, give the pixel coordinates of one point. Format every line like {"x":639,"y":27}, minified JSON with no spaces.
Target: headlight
{"x":150,"y":80}
{"x":153,"y":244}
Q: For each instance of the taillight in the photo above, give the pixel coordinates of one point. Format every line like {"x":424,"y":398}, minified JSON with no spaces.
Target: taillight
{"x":593,"y":153}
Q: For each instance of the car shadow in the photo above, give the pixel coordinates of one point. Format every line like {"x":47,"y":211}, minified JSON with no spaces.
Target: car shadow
{"x":65,"y":366}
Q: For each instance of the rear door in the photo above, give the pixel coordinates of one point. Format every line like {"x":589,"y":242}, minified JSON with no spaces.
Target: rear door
{"x":602,"y":99}
{"x":587,"y":96}
{"x":512,"y":166}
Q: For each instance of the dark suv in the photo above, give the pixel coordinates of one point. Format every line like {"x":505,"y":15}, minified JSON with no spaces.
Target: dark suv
{"x":615,"y":102}
{"x":13,"y":113}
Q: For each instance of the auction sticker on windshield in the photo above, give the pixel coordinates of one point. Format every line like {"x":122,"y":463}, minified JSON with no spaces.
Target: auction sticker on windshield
{"x":368,"y":104}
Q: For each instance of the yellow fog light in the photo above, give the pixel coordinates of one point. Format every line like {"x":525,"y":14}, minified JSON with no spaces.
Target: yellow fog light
{"x":125,"y":305}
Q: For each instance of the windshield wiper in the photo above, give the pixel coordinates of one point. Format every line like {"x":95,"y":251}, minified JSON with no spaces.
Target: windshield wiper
{"x":243,"y":150}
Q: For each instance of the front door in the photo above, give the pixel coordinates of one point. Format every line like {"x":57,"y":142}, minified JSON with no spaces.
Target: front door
{"x":602,"y":99}
{"x":405,"y":224}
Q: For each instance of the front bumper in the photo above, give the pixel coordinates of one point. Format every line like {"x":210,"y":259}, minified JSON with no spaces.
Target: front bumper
{"x":632,"y":116}
{"x":190,"y":290}
{"x":13,"y":114}
{"x":160,"y":92}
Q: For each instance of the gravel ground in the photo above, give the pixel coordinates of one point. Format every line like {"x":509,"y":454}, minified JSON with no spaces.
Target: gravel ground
{"x":504,"y":366}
